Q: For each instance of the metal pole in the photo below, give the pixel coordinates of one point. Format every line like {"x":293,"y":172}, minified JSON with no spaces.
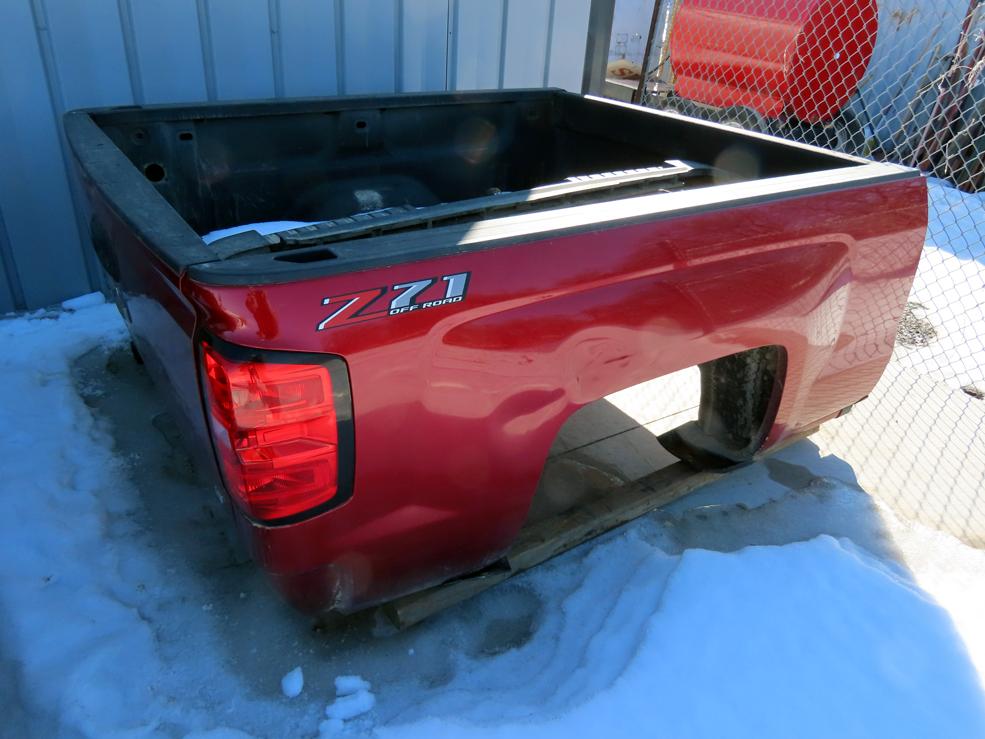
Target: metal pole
{"x":645,"y":66}
{"x":597,"y":46}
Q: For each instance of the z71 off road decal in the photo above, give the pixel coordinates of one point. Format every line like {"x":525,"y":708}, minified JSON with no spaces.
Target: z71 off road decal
{"x":403,"y":297}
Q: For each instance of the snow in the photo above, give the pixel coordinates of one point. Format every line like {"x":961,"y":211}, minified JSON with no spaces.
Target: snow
{"x":952,"y":293}
{"x":331,"y":727}
{"x":956,"y":220}
{"x":817,"y":637}
{"x":950,"y":285}
{"x":354,"y":699}
{"x":766,"y":641}
{"x":347,"y":707}
{"x":98,"y":636}
{"x":782,"y":601}
{"x":292,"y":683}
{"x":264,"y":228}
{"x":349,"y":684}
{"x":84,"y":301}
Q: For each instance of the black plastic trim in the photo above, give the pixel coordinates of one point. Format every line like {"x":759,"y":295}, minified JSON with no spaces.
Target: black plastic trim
{"x":392,"y":249}
{"x":158,"y":225}
{"x":131,"y":114}
{"x":149,"y":215}
{"x":734,"y":420}
{"x":338,"y":371}
{"x":132,"y":196}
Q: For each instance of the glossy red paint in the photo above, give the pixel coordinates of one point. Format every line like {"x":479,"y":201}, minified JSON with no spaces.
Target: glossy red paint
{"x":804,"y":57}
{"x":456,"y":406}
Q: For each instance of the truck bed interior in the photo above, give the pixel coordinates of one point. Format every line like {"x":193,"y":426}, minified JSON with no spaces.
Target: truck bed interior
{"x":403,"y":157}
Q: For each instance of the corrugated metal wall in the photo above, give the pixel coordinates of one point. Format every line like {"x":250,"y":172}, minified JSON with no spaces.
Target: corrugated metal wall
{"x":56,"y":55}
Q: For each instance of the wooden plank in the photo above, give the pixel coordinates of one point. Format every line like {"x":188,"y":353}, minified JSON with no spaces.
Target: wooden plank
{"x":549,"y":537}
{"x":553,"y":536}
{"x":416,"y":607}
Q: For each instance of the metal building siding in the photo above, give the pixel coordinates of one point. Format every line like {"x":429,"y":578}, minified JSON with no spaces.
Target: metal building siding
{"x":34,"y":192}
{"x":8,"y":300}
{"x":167,"y":59}
{"x":56,"y":55}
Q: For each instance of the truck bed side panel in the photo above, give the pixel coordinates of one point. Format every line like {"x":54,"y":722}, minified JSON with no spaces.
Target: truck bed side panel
{"x":457,"y":405}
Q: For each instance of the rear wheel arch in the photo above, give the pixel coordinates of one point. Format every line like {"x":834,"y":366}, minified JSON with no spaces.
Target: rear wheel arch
{"x":740,"y":395}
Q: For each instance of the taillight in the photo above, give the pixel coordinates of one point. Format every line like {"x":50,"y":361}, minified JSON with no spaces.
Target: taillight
{"x":281,"y":429}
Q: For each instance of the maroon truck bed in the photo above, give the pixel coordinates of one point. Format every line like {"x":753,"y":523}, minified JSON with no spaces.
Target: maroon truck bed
{"x":376,"y":395}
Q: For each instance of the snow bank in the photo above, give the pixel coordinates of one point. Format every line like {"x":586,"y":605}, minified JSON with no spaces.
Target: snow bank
{"x":809,"y":639}
{"x":76,"y":638}
{"x":98,"y":637}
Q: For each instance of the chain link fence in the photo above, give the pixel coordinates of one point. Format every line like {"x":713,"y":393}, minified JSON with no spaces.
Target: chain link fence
{"x":894,"y":80}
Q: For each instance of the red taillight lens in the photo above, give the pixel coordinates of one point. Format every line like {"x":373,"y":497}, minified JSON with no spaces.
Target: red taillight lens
{"x":276,"y":432}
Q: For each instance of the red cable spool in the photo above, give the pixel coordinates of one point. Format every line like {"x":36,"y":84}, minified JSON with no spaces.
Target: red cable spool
{"x":803,"y":57}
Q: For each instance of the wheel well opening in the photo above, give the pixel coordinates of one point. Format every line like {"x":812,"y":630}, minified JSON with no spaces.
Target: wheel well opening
{"x":713,"y":416}
{"x":739,"y":397}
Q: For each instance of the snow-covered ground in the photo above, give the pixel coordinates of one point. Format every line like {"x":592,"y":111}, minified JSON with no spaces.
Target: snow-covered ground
{"x":949,"y":290}
{"x":782,"y":601}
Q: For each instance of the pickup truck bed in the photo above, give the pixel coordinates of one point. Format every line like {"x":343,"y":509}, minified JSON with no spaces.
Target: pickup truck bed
{"x":376,"y":394}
